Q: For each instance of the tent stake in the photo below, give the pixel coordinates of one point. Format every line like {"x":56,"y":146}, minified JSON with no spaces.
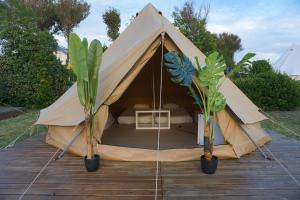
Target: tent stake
{"x":68,"y":146}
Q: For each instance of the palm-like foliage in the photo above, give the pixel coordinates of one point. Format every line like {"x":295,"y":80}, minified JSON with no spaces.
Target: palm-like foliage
{"x":242,"y":66}
{"x":85,"y":62}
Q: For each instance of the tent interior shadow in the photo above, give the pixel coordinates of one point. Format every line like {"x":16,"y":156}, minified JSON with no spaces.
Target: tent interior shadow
{"x":181,"y":136}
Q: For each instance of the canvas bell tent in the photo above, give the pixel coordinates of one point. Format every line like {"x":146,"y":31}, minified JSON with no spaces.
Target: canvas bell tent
{"x":289,"y":62}
{"x":133,"y":78}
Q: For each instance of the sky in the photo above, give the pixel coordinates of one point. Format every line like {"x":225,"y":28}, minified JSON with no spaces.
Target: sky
{"x":266,"y":27}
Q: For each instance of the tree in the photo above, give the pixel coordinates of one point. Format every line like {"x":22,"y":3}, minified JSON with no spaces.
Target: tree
{"x":45,"y":12}
{"x":192,"y":23}
{"x":111,"y":18}
{"x":260,"y":66}
{"x":31,"y":75}
{"x":69,"y":14}
{"x":227,"y":45}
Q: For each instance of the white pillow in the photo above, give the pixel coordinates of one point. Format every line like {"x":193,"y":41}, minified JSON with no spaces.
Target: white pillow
{"x":141,"y":106}
{"x":171,"y":106}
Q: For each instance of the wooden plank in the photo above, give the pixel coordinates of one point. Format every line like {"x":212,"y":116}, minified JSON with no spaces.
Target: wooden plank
{"x":249,"y":178}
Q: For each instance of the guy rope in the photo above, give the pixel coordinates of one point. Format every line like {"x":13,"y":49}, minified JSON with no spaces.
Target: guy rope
{"x":159,"y":108}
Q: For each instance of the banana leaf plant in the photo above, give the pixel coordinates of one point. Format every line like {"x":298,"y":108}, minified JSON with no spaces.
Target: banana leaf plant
{"x":207,"y":83}
{"x":85,"y":61}
{"x":241,"y":67}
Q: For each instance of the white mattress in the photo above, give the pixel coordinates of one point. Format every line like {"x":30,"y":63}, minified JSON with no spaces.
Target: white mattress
{"x":128,"y":117}
{"x":178,"y":116}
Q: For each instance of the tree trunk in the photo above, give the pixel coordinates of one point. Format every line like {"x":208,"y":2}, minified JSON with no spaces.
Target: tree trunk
{"x":88,"y":137}
{"x":207,"y":142}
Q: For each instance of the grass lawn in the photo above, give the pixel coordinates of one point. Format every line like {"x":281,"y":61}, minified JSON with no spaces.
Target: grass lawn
{"x":12,"y":128}
{"x":289,"y":119}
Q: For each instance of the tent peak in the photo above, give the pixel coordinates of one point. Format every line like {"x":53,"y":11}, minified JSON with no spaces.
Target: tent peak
{"x":150,"y":8}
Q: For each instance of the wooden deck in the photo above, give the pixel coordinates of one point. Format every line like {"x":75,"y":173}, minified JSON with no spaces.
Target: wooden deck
{"x":251,"y":177}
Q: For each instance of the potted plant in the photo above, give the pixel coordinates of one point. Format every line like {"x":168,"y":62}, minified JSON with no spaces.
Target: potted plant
{"x":85,"y":62}
{"x":207,"y":95}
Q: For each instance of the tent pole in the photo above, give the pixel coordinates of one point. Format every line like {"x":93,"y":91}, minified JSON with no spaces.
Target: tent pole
{"x":257,"y":146}
{"x":68,"y":146}
{"x":159,"y":108}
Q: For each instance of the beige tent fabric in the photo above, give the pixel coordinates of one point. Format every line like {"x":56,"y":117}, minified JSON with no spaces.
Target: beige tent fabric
{"x":257,"y":133}
{"x":122,"y":62}
{"x":59,"y":137}
{"x":116,"y":63}
{"x":117,"y":93}
{"x":235,"y":135}
{"x":109,"y":152}
{"x":121,"y":56}
{"x":100,"y":121}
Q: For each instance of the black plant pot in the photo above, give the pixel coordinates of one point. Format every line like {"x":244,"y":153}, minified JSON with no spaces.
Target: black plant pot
{"x":209,"y":166}
{"x":92,"y":165}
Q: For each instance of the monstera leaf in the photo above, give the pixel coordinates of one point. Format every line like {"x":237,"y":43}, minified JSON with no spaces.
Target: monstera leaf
{"x":213,"y":71}
{"x":180,"y":68}
{"x":216,"y":99}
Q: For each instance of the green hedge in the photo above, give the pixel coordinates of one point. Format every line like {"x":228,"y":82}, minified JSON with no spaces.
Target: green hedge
{"x":270,"y":90}
{"x":31,"y":75}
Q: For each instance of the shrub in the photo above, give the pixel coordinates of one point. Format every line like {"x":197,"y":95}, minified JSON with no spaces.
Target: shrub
{"x":31,"y":75}
{"x":271,"y":90}
{"x":260,"y":66}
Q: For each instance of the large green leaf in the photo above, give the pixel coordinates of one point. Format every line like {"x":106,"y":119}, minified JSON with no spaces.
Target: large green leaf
{"x":85,"y":45}
{"x":81,"y":92}
{"x":242,"y":64}
{"x":213,"y":71}
{"x":85,"y":62}
{"x":78,"y":56}
{"x":77,"y":52}
{"x":180,"y":68}
{"x":94,"y":61}
{"x":216,"y":99}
